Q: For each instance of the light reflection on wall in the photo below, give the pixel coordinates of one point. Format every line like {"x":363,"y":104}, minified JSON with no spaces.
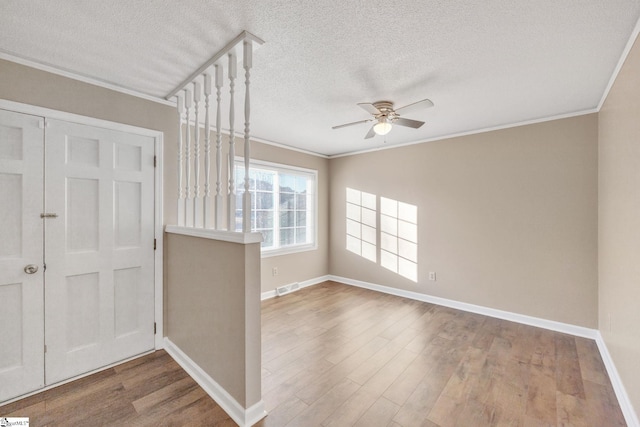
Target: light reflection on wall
{"x":398,"y":232}
{"x":399,"y":237}
{"x":361,"y":224}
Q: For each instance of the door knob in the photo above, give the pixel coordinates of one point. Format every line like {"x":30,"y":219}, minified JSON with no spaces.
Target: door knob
{"x":30,"y":269}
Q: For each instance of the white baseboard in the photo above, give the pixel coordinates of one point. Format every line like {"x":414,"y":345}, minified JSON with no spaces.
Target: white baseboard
{"x":243,"y":417}
{"x":623,"y":398}
{"x":491,"y":312}
{"x":580,"y":331}
{"x":621,"y":393}
{"x":271,"y":294}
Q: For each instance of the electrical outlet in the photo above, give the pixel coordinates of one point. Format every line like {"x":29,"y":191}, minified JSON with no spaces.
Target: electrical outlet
{"x":432,"y":275}
{"x":274,"y":271}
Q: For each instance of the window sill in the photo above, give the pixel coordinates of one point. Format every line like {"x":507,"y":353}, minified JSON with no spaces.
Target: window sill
{"x":288,"y":251}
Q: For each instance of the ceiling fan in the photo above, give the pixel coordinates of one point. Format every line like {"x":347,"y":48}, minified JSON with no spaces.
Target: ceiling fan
{"x":386,"y":116}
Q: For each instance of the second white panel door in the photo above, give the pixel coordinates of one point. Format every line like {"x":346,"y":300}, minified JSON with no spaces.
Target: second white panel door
{"x":99,"y":283}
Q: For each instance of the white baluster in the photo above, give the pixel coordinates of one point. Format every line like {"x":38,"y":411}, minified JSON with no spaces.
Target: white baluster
{"x":207,"y":153}
{"x":197,"y":207}
{"x":188,"y":204}
{"x":231,"y":202}
{"x":246,"y":200}
{"x":218,"y":208}
{"x":181,"y":196}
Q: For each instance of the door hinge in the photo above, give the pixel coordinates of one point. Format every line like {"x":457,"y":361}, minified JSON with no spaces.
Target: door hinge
{"x":45,"y":348}
{"x":154,"y":328}
{"x":44,"y":267}
{"x":155,"y":161}
{"x":155,"y":244}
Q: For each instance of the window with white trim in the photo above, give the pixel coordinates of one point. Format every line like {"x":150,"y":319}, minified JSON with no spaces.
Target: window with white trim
{"x":283,"y":202}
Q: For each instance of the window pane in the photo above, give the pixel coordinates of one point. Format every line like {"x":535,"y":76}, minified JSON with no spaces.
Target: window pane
{"x":301,"y":201}
{"x":287,"y":183}
{"x":238,"y":177}
{"x":301,"y":184}
{"x":286,"y":201}
{"x":286,"y":236}
{"x":284,"y":214}
{"x":264,"y":200}
{"x":267,"y":235}
{"x":287,"y":218}
{"x":301,"y":235}
{"x":264,"y":219}
{"x":264,"y":180}
{"x":238,"y":219}
{"x":301,"y":218}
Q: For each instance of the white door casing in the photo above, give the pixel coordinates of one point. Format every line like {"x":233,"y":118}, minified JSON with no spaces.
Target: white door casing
{"x":99,"y":284}
{"x":21,"y":232}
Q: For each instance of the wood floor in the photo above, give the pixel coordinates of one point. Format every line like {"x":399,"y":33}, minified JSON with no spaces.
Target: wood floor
{"x":150,"y":391}
{"x":335,"y":355}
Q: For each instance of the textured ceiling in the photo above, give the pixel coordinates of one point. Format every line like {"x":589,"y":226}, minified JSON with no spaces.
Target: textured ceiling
{"x":483,"y":63}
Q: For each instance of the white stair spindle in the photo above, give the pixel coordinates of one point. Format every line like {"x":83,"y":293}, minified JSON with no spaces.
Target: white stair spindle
{"x":207,"y":153}
{"x":231,"y":202}
{"x":181,"y":196}
{"x":197,"y":205}
{"x":246,"y":200}
{"x":218,"y":205}
{"x":188,"y":98}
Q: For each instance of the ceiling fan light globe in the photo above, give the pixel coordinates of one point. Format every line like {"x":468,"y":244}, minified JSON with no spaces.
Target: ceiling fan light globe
{"x":382,"y":128}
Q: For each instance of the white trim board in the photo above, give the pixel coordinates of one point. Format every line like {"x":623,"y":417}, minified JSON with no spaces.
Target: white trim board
{"x":7,"y":56}
{"x":244,"y":417}
{"x":316,"y":280}
{"x":621,"y":61}
{"x":623,"y":398}
{"x":629,"y":413}
{"x":486,"y":311}
{"x":469,"y":132}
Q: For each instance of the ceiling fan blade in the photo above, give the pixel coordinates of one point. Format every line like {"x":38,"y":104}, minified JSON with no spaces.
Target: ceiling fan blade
{"x":408,"y":123}
{"x":351,"y":124}
{"x":370,"y":134}
{"x":369,"y":108}
{"x":425,"y":103}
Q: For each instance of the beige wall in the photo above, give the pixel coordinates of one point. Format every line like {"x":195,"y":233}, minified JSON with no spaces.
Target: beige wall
{"x":507,"y":219}
{"x":30,"y":86}
{"x":619,"y":223}
{"x":214,"y":310}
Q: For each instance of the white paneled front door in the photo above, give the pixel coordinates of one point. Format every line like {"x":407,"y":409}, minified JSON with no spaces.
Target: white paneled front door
{"x":99,"y":286}
{"x":21,"y":295}
{"x":88,"y":299}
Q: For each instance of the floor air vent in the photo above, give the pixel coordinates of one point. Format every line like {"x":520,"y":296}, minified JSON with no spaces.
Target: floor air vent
{"x":287,"y":289}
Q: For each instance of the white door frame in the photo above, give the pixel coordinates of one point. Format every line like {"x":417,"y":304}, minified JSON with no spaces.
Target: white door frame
{"x":158,"y":227}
